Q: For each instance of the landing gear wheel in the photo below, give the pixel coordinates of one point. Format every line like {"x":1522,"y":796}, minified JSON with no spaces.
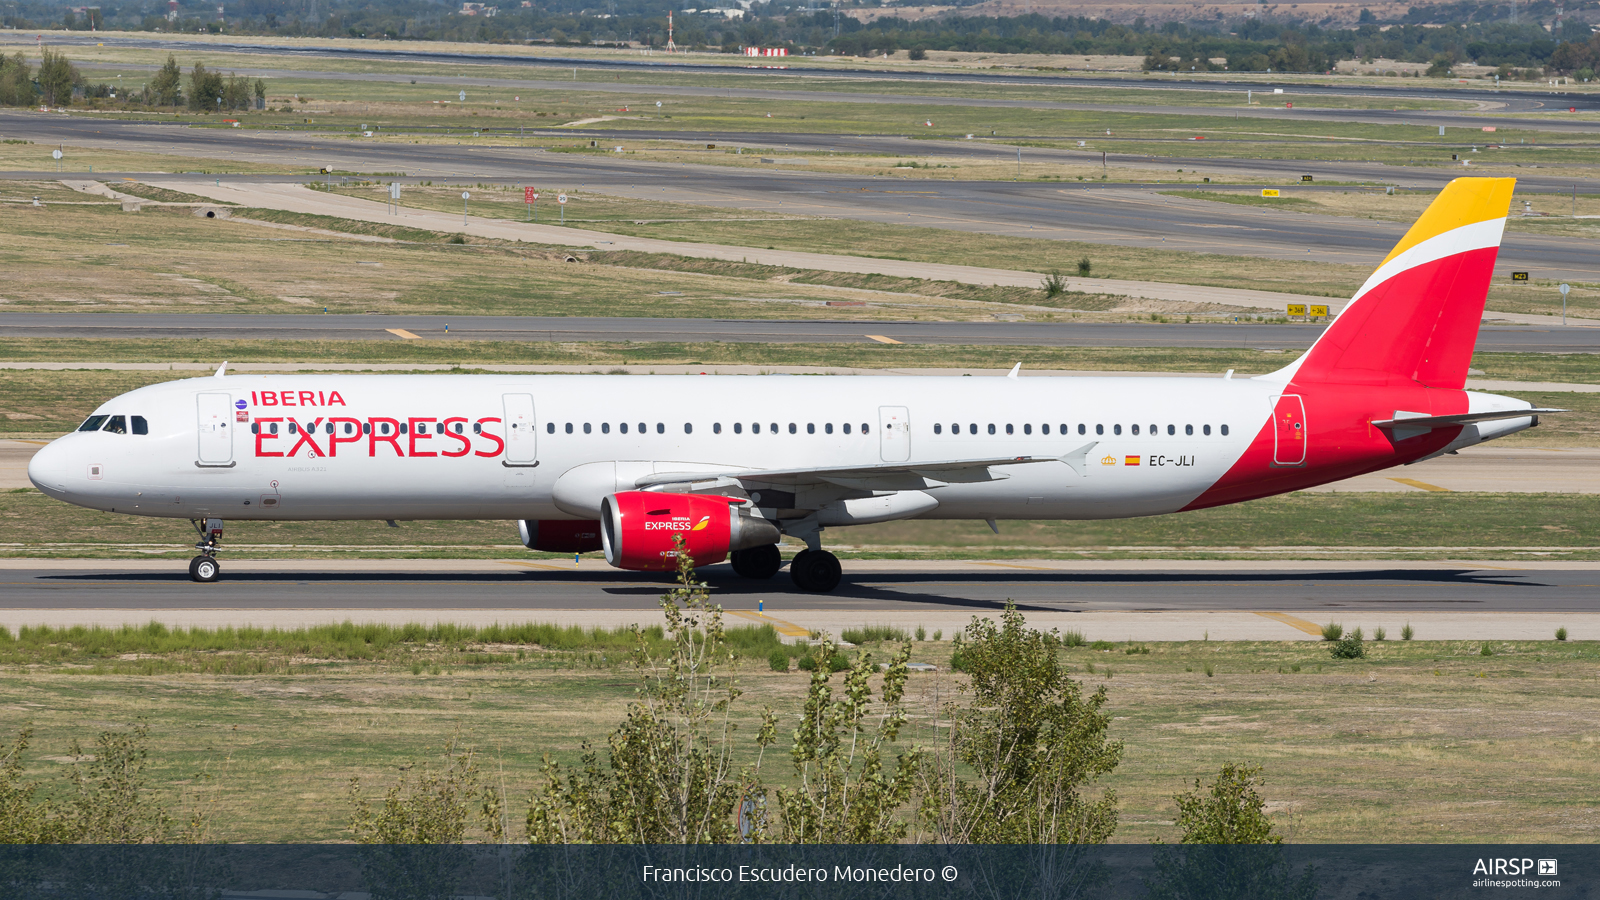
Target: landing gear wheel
{"x":757,"y":562}
{"x":204,"y":569}
{"x":817,"y":571}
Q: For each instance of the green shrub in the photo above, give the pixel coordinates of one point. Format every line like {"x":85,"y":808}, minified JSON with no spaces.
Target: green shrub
{"x":874,"y":634}
{"x":1210,"y":672}
{"x":922,"y":633}
{"x":1407,"y":633}
{"x":1102,"y":645}
{"x":1485,"y":650}
{"x":1561,"y":634}
{"x":938,"y":634}
{"x":779,"y":661}
{"x":1135,"y":651}
{"x":1378,"y":634}
{"x":1072,"y":639}
{"x":836,"y":663}
{"x":1349,"y":647}
{"x":1332,"y":631}
{"x":1054,"y":285}
{"x":1085,"y":266}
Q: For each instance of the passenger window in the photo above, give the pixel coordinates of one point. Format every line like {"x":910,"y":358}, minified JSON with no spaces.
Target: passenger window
{"x":1205,"y":429}
{"x":273,"y":428}
{"x":1008,"y":428}
{"x":863,"y":428}
{"x":1224,"y":431}
{"x":937,"y":428}
{"x":93,"y":423}
{"x":688,"y":428}
{"x":117,"y":425}
{"x":716,"y":427}
{"x":622,"y":427}
{"x":366,"y":428}
{"x":1099,"y":429}
{"x":460,"y":429}
{"x":1027,"y":429}
{"x":972,"y":428}
{"x":477,"y":428}
{"x":569,"y":428}
{"x":643,"y":428}
{"x":292,"y":427}
{"x":847,"y":428}
{"x":793,"y":428}
{"x":404,"y":428}
{"x":1081,"y":428}
{"x":1172,"y":429}
{"x":1188,"y":429}
{"x":549,"y":427}
{"x":828,"y":428}
{"x":587,"y":429}
{"x":605,"y":427}
{"x":811,"y":428}
{"x":991,"y":428}
{"x":349,"y":427}
{"x":1116,"y":429}
{"x":773,"y":427}
{"x":140,"y":426}
{"x":661,"y":428}
{"x":1135,"y":429}
{"x":1154,"y":430}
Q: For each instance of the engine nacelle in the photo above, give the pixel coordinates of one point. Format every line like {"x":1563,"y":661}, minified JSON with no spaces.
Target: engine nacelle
{"x":637,"y":528}
{"x":560,"y":535}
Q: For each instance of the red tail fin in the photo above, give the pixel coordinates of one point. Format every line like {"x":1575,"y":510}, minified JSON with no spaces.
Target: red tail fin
{"x":1416,"y":319}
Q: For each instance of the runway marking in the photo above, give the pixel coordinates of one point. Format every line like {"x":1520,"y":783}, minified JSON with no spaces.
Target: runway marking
{"x":1293,"y":622}
{"x":538,"y":566}
{"x":1017,"y":566}
{"x":1421,"y":485}
{"x":401,"y":332}
{"x":883,"y":340}
{"x":788,"y":629}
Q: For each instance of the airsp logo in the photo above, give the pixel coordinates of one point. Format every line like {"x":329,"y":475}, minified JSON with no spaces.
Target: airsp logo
{"x":1547,"y":867}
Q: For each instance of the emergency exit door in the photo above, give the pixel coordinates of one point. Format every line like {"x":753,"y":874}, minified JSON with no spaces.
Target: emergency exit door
{"x":894,"y":433}
{"x":215,"y":420}
{"x":521,"y":436}
{"x":1289,"y":431}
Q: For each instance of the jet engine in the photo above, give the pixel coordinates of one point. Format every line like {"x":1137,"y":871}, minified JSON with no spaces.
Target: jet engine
{"x":637,"y":528}
{"x":560,"y":535}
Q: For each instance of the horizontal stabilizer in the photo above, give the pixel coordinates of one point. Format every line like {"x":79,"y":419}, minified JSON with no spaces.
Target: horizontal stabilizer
{"x":1422,"y":422}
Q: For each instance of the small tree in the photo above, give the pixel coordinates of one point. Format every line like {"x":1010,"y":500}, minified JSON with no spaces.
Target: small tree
{"x":16,"y":81}
{"x":167,"y":84}
{"x":56,"y":78}
{"x":670,"y":776}
{"x":1229,"y":812}
{"x":846,"y":794}
{"x":434,"y":808}
{"x":1032,"y":740}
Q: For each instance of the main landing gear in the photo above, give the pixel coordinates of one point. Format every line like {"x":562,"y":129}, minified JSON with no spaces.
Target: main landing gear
{"x":204,"y":568}
{"x":815,"y":570}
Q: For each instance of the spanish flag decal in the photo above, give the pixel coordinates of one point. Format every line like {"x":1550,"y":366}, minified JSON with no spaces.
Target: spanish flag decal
{"x":1132,"y":461}
{"x":701,"y":525}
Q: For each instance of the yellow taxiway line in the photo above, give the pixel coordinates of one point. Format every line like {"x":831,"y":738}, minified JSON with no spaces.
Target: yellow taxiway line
{"x":1421,"y":485}
{"x":788,"y":629}
{"x":401,"y":332}
{"x":1293,"y":622}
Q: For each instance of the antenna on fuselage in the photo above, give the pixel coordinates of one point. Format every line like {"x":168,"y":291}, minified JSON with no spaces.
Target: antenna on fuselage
{"x":222,"y":369}
{"x":1014,"y":370}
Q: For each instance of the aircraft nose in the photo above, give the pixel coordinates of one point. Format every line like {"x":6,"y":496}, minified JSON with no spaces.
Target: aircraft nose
{"x":49,"y":468}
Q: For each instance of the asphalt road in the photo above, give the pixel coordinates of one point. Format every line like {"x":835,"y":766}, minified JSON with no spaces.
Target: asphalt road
{"x":1532,"y":339}
{"x":1140,"y":217}
{"x":1255,"y":587}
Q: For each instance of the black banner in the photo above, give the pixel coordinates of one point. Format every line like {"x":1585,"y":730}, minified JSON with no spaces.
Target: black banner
{"x":780,"y":872}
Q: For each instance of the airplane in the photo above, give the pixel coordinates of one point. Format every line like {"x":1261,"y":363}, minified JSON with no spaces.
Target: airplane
{"x":731,"y":464}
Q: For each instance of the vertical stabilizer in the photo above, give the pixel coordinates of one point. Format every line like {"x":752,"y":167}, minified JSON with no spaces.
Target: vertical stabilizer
{"x":1416,"y":318}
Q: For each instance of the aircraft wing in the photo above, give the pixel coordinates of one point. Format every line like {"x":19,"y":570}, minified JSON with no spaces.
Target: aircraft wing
{"x":897,"y":476}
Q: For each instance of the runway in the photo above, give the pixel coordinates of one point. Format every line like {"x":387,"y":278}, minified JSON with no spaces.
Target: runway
{"x":1494,"y":338}
{"x":1138,"y":216}
{"x":1162,"y":601}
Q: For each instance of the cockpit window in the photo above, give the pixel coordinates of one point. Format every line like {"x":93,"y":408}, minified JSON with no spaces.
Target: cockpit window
{"x":117,"y":425}
{"x":140,"y":426}
{"x":93,"y":423}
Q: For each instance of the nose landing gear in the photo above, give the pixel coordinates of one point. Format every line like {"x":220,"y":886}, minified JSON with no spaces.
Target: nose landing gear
{"x":204,"y":568}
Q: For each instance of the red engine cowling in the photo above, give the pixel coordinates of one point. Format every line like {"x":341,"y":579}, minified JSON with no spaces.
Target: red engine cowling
{"x":560,"y":535}
{"x":637,"y":528}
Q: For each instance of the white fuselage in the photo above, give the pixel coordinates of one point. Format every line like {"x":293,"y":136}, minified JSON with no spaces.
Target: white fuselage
{"x":1157,"y":443}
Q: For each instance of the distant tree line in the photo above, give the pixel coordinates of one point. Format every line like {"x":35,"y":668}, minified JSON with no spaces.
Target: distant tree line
{"x":1462,"y":31}
{"x":57,"y":82}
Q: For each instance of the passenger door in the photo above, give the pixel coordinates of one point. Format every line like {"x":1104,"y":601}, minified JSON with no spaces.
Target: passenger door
{"x":894,"y":433}
{"x":215,"y":420}
{"x":1288,"y":431}
{"x":521,"y":436}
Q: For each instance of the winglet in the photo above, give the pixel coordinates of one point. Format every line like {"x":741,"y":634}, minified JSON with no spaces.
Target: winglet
{"x":1014,"y":370}
{"x":222,"y":369}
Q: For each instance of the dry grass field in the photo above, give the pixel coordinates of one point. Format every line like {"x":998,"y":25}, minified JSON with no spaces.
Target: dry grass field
{"x":1420,"y":742}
